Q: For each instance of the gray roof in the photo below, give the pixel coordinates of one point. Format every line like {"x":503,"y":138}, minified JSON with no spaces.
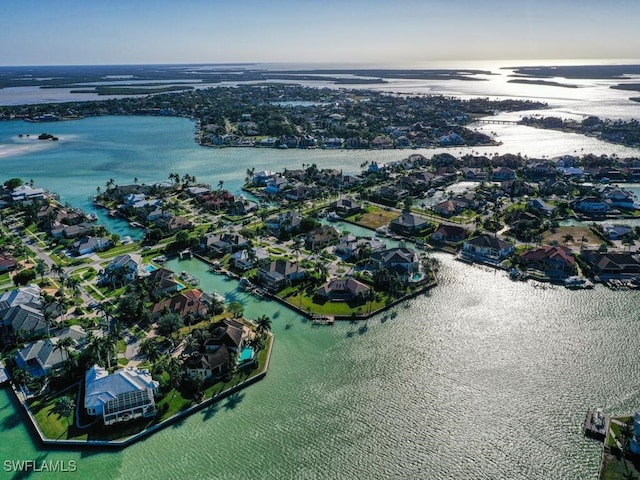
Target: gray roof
{"x":26,"y":318}
{"x":29,"y":295}
{"x":100,"y":387}
{"x":487,"y":241}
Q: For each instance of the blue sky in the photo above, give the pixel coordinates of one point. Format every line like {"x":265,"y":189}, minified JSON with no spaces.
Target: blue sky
{"x":39,"y":32}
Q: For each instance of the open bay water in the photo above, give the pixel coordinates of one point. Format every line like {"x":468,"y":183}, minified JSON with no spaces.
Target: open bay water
{"x":481,"y":378}
{"x":493,"y":384}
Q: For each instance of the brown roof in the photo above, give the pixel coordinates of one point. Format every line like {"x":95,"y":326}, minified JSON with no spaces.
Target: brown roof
{"x":551,"y":253}
{"x":183,"y":303}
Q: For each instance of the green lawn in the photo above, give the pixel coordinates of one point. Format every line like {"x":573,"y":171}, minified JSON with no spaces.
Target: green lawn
{"x":119,"y":250}
{"x":52,"y":424}
{"x":305,"y":303}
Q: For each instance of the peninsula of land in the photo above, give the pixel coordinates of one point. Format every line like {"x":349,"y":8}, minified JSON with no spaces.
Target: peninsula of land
{"x":89,"y":311}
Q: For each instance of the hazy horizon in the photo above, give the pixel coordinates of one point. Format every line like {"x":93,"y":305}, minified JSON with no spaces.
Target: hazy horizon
{"x":405,"y":32}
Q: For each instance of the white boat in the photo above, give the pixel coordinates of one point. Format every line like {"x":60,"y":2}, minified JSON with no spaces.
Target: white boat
{"x":577,"y":282}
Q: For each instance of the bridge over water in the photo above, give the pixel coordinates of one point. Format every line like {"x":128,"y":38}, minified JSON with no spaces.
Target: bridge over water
{"x":497,"y":122}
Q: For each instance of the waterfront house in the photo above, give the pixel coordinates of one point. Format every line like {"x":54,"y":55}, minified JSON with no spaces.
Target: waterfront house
{"x":353,"y":247}
{"x":223,"y":243}
{"x":228,"y":341}
{"x":618,"y":197}
{"x":553,"y":261}
{"x":86,"y":245}
{"x":231,"y":333}
{"x":417,"y":182}
{"x":197,"y":191}
{"x":261,"y":178}
{"x":59,"y":230}
{"x":246,"y":259}
{"x":276,"y":184}
{"x":279,"y":273}
{"x":449,"y":233}
{"x":345,"y":207}
{"x":217,"y":200}
{"x":486,"y":248}
{"x":208,"y":364}
{"x":408,"y":224}
{"x":402,"y":260}
{"x":26,"y":194}
{"x":162,"y":281}
{"x":343,"y":290}
{"x":616,"y":232}
{"x":127,"y":266}
{"x":121,"y":396}
{"x":192,"y":302}
{"x":613,"y":264}
{"x":591,"y":204}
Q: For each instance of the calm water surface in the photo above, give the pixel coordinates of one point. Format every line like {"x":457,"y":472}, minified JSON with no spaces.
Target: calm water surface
{"x":481,"y":378}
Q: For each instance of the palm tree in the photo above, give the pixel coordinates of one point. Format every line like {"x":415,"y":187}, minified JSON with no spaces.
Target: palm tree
{"x":263,"y":324}
{"x":149,"y":348}
{"x":236,"y":309}
{"x":297,"y":246}
{"x":174,"y":369}
{"x":107,"y":309}
{"x":74,"y":285}
{"x":95,"y":348}
{"x":109,"y":343}
{"x":41,"y":268}
{"x":191,"y":344}
{"x":64,"y":345}
{"x":57,"y":270}
{"x":567,"y":238}
{"x":64,"y":407}
{"x":626,"y":432}
{"x":257,"y":343}
{"x":583,"y":239}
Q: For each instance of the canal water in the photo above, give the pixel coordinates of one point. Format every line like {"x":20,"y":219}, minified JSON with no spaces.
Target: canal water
{"x":481,"y":377}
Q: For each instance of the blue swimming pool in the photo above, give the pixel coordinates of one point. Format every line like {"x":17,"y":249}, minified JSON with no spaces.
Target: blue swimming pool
{"x":246,"y":354}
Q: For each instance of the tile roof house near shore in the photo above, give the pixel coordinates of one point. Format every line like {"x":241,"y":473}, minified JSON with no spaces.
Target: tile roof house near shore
{"x":123,"y":395}
{"x":486,"y":248}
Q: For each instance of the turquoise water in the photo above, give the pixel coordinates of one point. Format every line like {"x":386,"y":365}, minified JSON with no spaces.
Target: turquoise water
{"x":245,"y":355}
{"x":480,"y":378}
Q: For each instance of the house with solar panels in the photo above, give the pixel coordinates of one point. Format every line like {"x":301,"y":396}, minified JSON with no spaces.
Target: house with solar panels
{"x":124,"y":395}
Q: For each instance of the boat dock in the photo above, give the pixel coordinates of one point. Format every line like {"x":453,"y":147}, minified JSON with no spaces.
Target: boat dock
{"x":323,"y":320}
{"x":596,"y":424}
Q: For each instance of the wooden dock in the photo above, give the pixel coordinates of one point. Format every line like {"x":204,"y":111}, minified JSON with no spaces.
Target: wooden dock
{"x":323,"y":320}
